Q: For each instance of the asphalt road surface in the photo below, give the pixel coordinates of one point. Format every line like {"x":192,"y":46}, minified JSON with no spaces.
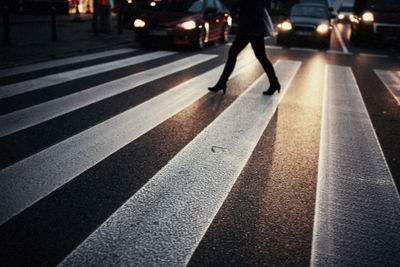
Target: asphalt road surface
{"x":124,"y":158}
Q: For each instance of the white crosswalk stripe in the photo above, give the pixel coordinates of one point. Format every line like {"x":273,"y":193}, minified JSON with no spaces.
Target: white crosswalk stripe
{"x":24,"y":118}
{"x":352,"y":167}
{"x":165,"y":219}
{"x":54,"y":79}
{"x":391,"y":79}
{"x":62,"y":62}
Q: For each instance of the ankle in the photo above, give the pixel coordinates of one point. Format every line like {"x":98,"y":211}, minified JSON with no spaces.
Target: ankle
{"x":274,"y":82}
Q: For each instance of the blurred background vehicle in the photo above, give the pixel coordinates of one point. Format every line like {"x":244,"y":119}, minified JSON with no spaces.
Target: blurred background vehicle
{"x":323,"y":2}
{"x":345,"y":11}
{"x":307,"y":21}
{"x":183,"y":22}
{"x":375,"y":20}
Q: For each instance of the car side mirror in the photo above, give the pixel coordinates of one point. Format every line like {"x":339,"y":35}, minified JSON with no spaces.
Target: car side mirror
{"x":210,"y":10}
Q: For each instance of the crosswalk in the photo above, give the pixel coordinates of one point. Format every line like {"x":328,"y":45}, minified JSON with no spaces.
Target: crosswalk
{"x":61,"y":62}
{"x":50,"y":80}
{"x":357,"y":208}
{"x":39,"y":113}
{"x":391,"y":79}
{"x":346,"y":184}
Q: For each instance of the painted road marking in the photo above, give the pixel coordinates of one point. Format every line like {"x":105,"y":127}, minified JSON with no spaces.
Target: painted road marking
{"x":34,"y":115}
{"x":62,"y":62}
{"x":391,"y":79}
{"x":373,"y":55}
{"x":342,"y":44}
{"x":27,"y":181}
{"x":273,"y":47}
{"x":166,"y":219}
{"x":304,"y":49}
{"x":339,"y":52}
{"x":357,"y":205}
{"x":58,"y":78}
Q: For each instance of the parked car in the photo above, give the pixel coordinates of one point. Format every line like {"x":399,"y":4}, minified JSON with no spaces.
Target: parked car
{"x":183,"y":22}
{"x":309,"y":21}
{"x":375,"y":19}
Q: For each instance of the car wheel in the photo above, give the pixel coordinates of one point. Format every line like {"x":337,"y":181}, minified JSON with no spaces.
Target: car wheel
{"x":353,"y":38}
{"x":281,"y":41}
{"x":357,"y":37}
{"x":142,"y":42}
{"x":201,"y":39}
{"x":225,"y":34}
{"x":326,"y":43}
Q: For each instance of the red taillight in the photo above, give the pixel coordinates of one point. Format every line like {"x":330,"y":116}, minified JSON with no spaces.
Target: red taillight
{"x":103,"y":2}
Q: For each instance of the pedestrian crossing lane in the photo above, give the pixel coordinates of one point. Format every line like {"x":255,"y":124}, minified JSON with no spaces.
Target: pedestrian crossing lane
{"x":172,"y":212}
{"x":63,"y":62}
{"x":34,"y":115}
{"x":84,"y":149}
{"x":391,"y":79}
{"x":30,"y":179}
{"x":58,"y":78}
{"x":357,"y":217}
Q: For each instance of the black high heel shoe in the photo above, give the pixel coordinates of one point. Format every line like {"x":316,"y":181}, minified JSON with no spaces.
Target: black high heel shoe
{"x":217,"y":87}
{"x":272,"y":88}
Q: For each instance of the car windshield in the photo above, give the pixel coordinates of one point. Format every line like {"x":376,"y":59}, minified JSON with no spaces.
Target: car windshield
{"x":346,"y":8}
{"x":308,"y":11}
{"x":324,"y":2}
{"x":192,"y":6}
{"x":384,"y":5}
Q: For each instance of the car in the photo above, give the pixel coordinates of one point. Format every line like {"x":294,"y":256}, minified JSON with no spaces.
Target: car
{"x":375,"y":20}
{"x":183,"y":22}
{"x":345,"y":11}
{"x":310,"y":21}
{"x":323,"y":2}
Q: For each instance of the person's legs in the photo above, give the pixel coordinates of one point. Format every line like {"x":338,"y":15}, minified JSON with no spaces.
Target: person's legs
{"x":238,"y":44}
{"x":258,"y":46}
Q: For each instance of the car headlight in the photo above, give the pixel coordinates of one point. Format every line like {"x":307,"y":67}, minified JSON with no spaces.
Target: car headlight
{"x":188,"y":25}
{"x":138,"y":23}
{"x":368,"y":16}
{"x":229,"y":21}
{"x":340,"y":16}
{"x":322,"y":28}
{"x":286,"y":26}
{"x":353,"y":18}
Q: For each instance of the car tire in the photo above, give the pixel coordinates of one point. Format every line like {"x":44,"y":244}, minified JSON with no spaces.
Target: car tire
{"x":281,"y":41}
{"x":326,"y":43}
{"x":357,"y":38}
{"x":201,"y":39}
{"x":354,"y":39}
{"x":142,"y":42}
{"x":225,"y":34}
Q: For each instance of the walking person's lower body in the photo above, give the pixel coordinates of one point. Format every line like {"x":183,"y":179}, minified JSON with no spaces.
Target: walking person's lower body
{"x":257,"y":43}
